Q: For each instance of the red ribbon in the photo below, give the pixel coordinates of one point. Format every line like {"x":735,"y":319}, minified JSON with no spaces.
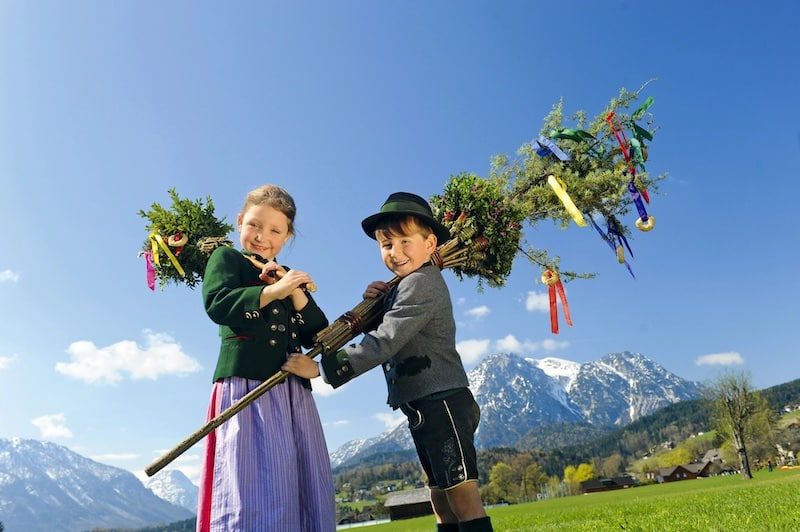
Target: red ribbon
{"x":556,"y":288}
{"x":622,"y":140}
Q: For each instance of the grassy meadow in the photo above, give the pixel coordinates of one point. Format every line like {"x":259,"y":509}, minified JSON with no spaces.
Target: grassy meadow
{"x":769,"y":501}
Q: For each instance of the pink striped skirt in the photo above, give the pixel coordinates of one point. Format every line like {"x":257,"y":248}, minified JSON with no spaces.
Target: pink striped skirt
{"x":266,"y":468}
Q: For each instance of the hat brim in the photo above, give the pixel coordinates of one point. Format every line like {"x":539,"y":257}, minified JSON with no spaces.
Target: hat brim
{"x":371,"y":222}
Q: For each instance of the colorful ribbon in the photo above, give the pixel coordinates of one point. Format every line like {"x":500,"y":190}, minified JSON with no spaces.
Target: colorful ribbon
{"x":578,"y":135}
{"x":560,"y":190}
{"x":556,"y":287}
{"x":624,"y":144}
{"x":547,"y":146}
{"x":157,"y":241}
{"x":637,"y":200}
{"x":615,"y":240}
{"x":151,"y":270}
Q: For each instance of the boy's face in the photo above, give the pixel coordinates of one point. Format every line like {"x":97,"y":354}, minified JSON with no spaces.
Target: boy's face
{"x":404,"y":254}
{"x":263,"y":230}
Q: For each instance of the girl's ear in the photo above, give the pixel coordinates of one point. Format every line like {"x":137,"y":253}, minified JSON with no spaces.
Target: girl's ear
{"x":239,"y":218}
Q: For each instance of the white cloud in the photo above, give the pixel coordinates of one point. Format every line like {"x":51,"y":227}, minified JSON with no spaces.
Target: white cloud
{"x":537,"y":302}
{"x":510,"y":344}
{"x":52,"y":426}
{"x":472,"y":350}
{"x":720,"y":359}
{"x":478,"y":312}
{"x":8,"y":275}
{"x":322,"y":388}
{"x":338,"y":423}
{"x":6,"y":361}
{"x":160,"y":356}
{"x":389,"y":420}
{"x":552,"y":345}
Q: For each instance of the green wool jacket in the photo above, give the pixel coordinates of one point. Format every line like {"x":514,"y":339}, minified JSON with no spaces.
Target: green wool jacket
{"x":254,"y":339}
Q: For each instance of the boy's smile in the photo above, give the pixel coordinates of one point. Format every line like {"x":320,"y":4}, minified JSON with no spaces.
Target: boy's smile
{"x":404,"y":254}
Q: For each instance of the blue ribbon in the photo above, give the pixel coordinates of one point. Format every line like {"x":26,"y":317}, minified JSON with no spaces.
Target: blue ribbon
{"x":547,"y":146}
{"x":613,"y":235}
{"x":637,"y":200}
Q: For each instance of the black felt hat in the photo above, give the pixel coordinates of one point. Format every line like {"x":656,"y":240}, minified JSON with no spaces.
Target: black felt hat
{"x":407,"y":203}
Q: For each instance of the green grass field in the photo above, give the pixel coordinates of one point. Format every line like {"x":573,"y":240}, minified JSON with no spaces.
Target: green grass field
{"x":770,"y":501}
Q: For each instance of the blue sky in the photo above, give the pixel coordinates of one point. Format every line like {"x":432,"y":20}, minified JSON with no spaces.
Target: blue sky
{"x":104,"y":106}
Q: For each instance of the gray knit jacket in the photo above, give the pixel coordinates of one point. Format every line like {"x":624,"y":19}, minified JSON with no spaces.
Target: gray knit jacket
{"x":415,"y":342}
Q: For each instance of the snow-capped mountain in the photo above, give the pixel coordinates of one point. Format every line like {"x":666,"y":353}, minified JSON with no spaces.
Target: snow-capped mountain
{"x":622,"y":387}
{"x":517,"y":395}
{"x":175,"y":487}
{"x":47,"y":487}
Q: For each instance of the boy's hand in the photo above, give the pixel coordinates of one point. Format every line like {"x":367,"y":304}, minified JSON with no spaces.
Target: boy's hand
{"x":376,"y":289}
{"x":301,"y":365}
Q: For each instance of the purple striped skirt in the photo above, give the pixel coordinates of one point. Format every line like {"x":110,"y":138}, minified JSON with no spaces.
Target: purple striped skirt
{"x":266,"y":468}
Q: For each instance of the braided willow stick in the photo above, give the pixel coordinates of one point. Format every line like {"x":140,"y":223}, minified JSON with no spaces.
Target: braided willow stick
{"x":329,"y":340}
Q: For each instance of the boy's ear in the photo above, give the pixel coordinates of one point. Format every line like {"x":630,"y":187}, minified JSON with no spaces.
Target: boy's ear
{"x":430,"y":243}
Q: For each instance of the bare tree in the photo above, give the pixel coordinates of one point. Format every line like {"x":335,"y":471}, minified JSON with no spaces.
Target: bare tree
{"x":737,"y":408}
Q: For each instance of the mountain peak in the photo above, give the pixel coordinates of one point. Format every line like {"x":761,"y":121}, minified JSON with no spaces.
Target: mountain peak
{"x":81,"y":494}
{"x":518,"y":395}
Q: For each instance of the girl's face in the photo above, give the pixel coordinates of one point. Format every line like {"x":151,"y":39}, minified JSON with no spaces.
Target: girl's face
{"x":263,"y":230}
{"x":405,"y":254}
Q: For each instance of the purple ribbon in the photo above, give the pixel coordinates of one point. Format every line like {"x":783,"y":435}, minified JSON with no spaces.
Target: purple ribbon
{"x":637,"y":200}
{"x":613,"y":236}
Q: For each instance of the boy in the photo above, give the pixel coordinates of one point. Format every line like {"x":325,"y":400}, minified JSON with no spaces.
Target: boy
{"x":415,"y":343}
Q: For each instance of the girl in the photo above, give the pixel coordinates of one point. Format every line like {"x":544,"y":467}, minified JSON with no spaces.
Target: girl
{"x":267,"y":468}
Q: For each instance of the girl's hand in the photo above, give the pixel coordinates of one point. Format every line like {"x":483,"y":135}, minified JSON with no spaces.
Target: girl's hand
{"x":283,"y":282}
{"x":376,"y":289}
{"x":301,"y":365}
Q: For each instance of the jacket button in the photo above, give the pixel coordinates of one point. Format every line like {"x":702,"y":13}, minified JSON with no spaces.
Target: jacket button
{"x":275,"y":311}
{"x":282,"y":327}
{"x":248,"y":316}
{"x":256,"y":314}
{"x":273,"y":342}
{"x":273,"y":327}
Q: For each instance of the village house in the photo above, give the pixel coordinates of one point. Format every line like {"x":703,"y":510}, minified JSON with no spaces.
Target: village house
{"x":606,"y":484}
{"x":408,"y":503}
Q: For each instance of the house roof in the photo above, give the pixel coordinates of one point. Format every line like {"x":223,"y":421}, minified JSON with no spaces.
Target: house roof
{"x":695,"y":467}
{"x":712,"y":455}
{"x":608,"y":482}
{"x":401,"y":498}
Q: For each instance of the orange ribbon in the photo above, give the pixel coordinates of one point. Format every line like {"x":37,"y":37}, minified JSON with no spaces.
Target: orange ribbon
{"x":556,"y":287}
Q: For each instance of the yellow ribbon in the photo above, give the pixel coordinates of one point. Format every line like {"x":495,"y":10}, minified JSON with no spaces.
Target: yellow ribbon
{"x":566,"y":200}
{"x":156,"y":242}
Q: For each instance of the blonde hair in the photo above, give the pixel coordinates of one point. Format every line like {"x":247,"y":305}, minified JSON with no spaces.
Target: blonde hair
{"x":275,"y":197}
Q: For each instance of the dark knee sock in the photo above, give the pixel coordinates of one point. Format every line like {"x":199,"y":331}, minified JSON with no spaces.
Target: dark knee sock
{"x":446,"y":527}
{"x":482,"y":524}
